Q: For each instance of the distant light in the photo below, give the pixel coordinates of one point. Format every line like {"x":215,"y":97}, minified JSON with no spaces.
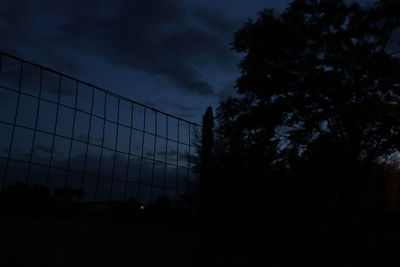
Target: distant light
{"x":141,"y":207}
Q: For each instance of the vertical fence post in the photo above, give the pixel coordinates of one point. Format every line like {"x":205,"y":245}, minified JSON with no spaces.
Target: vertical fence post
{"x":206,"y":194}
{"x":206,"y":161}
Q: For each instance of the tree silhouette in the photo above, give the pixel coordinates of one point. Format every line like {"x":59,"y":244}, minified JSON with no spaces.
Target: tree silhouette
{"x":317,"y":106}
{"x":320,"y":69}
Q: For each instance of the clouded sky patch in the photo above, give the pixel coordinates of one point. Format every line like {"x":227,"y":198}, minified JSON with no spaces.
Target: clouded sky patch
{"x":152,"y":50}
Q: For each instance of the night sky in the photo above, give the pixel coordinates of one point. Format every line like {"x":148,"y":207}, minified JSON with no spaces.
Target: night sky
{"x":171,"y":54}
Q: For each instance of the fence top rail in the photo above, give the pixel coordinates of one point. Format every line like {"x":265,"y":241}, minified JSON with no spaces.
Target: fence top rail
{"x":96,"y":87}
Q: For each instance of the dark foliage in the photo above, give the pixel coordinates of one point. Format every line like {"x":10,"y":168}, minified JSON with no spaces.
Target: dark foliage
{"x":317,"y":111}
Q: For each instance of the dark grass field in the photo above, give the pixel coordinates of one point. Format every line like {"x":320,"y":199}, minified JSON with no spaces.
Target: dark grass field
{"x":147,"y":242}
{"x":56,"y":242}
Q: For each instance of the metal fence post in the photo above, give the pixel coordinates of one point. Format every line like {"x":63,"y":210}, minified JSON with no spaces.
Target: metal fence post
{"x":206,"y":159}
{"x":206,"y":190}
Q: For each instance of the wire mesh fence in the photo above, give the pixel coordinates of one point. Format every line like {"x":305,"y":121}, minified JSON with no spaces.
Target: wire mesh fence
{"x":78,"y":164}
{"x":60,"y":132}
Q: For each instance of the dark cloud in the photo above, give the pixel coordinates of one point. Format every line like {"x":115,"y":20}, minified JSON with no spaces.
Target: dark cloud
{"x":173,"y":45}
{"x":7,"y":41}
{"x":23,"y":28}
{"x":181,"y":107}
{"x":185,"y":76}
{"x":227,"y":91}
{"x":156,"y":37}
{"x":217,"y":20}
{"x":42,"y":148}
{"x":198,"y":45}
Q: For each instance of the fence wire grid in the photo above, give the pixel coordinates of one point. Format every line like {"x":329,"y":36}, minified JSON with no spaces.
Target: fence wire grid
{"x":60,"y":132}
